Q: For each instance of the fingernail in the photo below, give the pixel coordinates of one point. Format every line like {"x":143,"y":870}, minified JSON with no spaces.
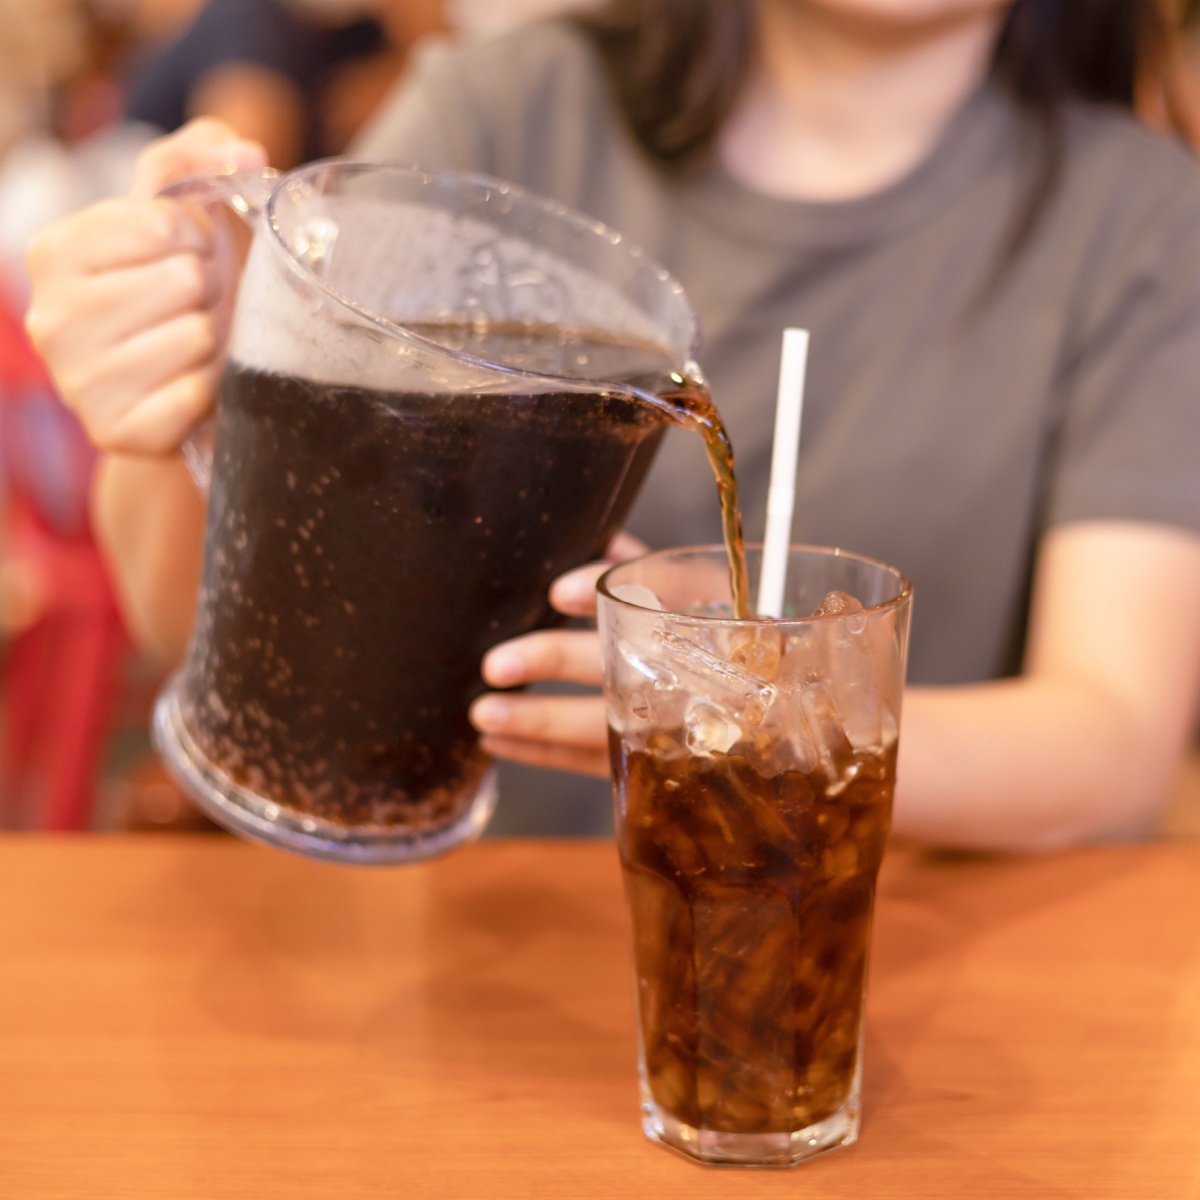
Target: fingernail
{"x":488,"y":714}
{"x":503,"y":667}
{"x":251,"y":152}
{"x":572,"y":591}
{"x":245,"y":156}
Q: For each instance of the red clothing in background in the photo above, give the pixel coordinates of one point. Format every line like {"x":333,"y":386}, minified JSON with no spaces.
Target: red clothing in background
{"x":58,"y":675}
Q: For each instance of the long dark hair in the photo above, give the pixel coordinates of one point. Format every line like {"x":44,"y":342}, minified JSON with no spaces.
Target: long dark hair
{"x":678,"y":66}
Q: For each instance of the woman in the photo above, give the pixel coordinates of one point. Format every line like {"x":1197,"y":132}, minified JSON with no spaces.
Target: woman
{"x":1001,"y":272}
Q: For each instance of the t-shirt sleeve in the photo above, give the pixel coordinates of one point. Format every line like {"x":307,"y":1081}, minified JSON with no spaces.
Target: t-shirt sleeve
{"x":1128,"y":445}
{"x":525,"y":105}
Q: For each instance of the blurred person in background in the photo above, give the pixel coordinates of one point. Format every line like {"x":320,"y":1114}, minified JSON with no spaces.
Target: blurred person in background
{"x":1001,"y":272}
{"x":297,"y":76}
{"x":63,"y":640}
{"x":301,"y":77}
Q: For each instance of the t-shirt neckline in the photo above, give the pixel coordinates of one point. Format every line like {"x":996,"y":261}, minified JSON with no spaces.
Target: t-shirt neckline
{"x":970,"y":140}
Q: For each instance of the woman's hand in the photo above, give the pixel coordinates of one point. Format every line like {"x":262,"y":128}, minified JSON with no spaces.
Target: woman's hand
{"x":131,"y":299}
{"x":567,"y":733}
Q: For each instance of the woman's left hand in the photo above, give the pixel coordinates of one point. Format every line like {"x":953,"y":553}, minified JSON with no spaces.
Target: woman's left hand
{"x":566,"y":733}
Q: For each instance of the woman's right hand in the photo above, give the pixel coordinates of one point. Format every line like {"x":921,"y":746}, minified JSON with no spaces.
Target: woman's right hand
{"x":131,"y":298}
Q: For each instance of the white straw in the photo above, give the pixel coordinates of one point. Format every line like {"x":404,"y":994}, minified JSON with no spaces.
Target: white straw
{"x":781,"y":492}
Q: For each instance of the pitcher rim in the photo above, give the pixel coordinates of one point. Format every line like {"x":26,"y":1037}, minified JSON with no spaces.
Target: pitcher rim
{"x":554,"y":208}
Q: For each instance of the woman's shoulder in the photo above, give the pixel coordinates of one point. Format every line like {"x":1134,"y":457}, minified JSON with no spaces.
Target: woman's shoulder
{"x":522,"y":59}
{"x":491,"y":103}
{"x":1112,"y":155}
{"x":1123,"y":208}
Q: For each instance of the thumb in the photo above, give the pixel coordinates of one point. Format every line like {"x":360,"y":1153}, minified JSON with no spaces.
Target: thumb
{"x":203,"y":146}
{"x":624,"y":545}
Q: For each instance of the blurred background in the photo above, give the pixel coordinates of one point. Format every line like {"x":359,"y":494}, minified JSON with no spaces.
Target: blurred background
{"x":84,"y":84}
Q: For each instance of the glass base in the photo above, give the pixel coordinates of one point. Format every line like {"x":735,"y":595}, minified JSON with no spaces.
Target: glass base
{"x":719,"y":1148}
{"x":252,"y":816}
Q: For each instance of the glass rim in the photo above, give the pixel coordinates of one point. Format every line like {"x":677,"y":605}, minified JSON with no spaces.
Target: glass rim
{"x":710,"y":550}
{"x":581,"y":222}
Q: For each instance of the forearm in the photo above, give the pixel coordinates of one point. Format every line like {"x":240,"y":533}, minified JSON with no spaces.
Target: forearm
{"x":1087,"y":743}
{"x":149,"y":521}
{"x":1028,"y":764}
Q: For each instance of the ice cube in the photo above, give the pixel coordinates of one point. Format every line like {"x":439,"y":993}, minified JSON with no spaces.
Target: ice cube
{"x":829,"y":742}
{"x":808,"y":713}
{"x":745,"y":945}
{"x":647,"y":664}
{"x":847,"y":654}
{"x":841,"y":604}
{"x":858,"y":662}
{"x":739,"y":694}
{"x":634,"y":715}
{"x":663,"y":746}
{"x":708,"y":729}
{"x":786,"y":746}
{"x":636,"y":593}
{"x":889,"y":727}
{"x":758,"y":650}
{"x":643,"y":690}
{"x":840,"y":859}
{"x":665,"y":972}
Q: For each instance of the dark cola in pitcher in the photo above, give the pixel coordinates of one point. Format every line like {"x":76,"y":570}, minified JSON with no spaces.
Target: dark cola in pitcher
{"x":365,"y":548}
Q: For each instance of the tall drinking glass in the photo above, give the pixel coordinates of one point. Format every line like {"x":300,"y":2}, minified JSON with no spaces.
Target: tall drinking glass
{"x":753,"y":765}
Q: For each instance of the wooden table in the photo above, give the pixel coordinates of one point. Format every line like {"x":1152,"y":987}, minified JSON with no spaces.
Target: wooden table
{"x":194,"y":1017}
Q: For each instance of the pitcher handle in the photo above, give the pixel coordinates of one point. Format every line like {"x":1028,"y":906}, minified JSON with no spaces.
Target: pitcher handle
{"x":245,"y":193}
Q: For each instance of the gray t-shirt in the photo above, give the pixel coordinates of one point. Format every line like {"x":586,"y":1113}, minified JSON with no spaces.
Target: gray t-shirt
{"x":955,"y":409}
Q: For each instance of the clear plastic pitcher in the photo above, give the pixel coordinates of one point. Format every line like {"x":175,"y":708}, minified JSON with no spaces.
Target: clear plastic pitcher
{"x":441,"y":393}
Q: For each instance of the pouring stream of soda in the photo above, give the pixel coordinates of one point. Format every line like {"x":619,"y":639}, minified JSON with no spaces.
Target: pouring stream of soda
{"x":691,"y":404}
